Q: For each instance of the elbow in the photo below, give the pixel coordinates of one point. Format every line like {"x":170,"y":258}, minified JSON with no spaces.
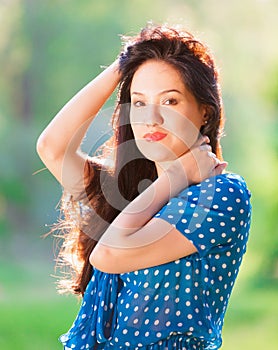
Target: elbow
{"x":45,"y":149}
{"x":102,"y":259}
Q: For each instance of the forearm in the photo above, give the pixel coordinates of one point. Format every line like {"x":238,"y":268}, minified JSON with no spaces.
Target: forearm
{"x":68,"y":127}
{"x":127,"y":227}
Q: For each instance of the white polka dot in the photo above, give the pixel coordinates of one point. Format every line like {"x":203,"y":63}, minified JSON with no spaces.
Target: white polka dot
{"x":166,"y":273}
{"x":156,"y":322}
{"x":167,"y":310}
{"x":135,"y":321}
{"x":189,"y":316}
{"x":147,"y":321}
{"x":125,"y":331}
{"x":184,"y":221}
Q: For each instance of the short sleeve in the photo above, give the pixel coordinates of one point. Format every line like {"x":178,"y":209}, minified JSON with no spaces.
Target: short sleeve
{"x":215,"y":212}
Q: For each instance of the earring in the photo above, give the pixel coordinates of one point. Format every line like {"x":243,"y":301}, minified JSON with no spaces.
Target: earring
{"x":206,"y":122}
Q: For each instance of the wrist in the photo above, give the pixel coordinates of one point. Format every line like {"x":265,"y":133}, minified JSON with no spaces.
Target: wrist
{"x":177,"y":178}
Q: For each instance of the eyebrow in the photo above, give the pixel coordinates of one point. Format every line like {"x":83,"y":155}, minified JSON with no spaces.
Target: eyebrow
{"x":161,"y":93}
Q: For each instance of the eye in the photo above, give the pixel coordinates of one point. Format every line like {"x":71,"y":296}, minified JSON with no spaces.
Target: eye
{"x":138,"y":104}
{"x":170,"y":101}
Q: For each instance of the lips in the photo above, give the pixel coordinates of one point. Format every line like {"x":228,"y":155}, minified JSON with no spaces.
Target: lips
{"x":155,"y":136}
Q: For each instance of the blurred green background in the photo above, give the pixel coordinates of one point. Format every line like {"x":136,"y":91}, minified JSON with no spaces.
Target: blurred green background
{"x":48,"y":51}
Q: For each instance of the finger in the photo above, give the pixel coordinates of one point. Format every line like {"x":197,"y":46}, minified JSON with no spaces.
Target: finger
{"x":202,"y":140}
{"x":220,"y":168}
{"x":206,"y":148}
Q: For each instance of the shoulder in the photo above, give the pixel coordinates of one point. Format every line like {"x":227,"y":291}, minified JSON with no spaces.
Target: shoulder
{"x":222,"y":196}
{"x":222,"y":187}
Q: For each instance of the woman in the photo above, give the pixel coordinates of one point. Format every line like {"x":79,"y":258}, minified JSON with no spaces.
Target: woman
{"x":158,"y":228}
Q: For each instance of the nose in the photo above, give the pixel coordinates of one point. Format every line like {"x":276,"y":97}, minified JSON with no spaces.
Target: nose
{"x":153,"y":115}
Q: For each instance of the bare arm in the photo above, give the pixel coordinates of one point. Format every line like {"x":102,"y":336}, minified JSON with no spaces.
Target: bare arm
{"x":59,"y":143}
{"x":137,"y":240}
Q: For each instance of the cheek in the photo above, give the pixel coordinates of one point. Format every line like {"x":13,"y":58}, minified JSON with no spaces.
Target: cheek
{"x":183,"y":129}
{"x":137,"y":130}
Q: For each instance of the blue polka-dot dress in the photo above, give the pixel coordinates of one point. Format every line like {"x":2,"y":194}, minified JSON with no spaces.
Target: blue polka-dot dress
{"x":181,"y":304}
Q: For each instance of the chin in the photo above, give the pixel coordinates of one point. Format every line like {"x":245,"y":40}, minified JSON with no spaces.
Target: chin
{"x":156,"y":152}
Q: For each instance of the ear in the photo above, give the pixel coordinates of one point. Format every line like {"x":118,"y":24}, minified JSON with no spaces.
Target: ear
{"x":205,"y":115}
{"x":205,"y":120}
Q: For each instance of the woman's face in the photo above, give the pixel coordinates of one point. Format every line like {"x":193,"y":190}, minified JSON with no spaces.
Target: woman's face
{"x":165,"y":117}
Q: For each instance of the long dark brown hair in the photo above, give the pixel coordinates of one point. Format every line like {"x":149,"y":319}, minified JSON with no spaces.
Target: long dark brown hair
{"x":108,"y":189}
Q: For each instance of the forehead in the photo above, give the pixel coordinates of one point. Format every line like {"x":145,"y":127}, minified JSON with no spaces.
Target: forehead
{"x":155,"y":74}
